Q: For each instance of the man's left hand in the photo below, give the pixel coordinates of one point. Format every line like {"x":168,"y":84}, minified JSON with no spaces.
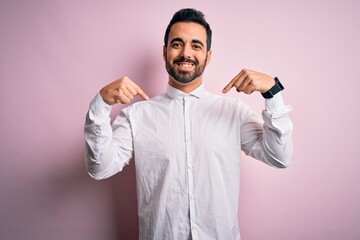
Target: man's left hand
{"x":249,"y":81}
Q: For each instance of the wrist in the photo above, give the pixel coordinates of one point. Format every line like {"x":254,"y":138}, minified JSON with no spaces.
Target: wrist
{"x":274,"y":89}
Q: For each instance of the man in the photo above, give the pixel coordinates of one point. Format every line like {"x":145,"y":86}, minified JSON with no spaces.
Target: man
{"x":187,"y":142}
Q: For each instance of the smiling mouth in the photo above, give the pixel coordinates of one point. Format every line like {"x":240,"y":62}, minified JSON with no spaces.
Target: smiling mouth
{"x":185,"y":64}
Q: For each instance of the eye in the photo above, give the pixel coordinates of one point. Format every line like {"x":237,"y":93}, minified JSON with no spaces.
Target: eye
{"x":176,"y":45}
{"x":197,"y":46}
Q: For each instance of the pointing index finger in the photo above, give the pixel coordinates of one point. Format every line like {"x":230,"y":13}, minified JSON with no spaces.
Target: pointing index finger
{"x":228,"y":86}
{"x":141,"y":93}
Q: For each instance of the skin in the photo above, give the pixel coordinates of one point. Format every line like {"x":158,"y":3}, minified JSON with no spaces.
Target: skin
{"x":186,"y":40}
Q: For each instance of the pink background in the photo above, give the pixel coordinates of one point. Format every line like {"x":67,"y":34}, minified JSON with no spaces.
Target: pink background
{"x":55,"y":55}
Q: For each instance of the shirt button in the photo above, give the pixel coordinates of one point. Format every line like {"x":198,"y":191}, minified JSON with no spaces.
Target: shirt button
{"x":189,"y":166}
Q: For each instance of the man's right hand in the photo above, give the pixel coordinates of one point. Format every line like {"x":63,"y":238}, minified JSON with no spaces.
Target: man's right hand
{"x":122,"y":91}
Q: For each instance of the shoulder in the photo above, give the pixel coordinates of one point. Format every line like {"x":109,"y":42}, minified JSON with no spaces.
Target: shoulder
{"x":222,"y":100}
{"x":145,"y":105}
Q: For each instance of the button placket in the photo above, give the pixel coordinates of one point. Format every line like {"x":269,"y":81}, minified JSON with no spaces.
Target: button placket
{"x":189,"y":161}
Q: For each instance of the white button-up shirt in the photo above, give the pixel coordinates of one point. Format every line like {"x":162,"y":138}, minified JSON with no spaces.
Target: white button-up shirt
{"x":187,"y":151}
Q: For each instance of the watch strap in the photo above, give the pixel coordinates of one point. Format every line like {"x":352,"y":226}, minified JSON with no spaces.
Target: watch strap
{"x":274,"y":90}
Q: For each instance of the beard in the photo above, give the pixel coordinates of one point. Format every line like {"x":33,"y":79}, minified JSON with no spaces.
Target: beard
{"x":185,"y":76}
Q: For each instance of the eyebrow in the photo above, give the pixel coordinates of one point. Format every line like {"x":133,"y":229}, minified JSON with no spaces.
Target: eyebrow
{"x":198,"y":41}
{"x":182,"y":41}
{"x":177,"y":40}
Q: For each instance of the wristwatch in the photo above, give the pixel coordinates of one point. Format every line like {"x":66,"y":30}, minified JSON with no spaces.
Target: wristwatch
{"x":274,"y":90}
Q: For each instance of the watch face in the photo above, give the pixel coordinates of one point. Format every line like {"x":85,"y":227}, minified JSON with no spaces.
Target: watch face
{"x":279,"y":83}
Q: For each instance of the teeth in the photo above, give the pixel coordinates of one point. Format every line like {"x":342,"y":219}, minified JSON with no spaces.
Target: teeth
{"x":186,"y":65}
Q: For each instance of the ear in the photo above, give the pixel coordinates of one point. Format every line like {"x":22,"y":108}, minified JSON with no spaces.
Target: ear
{"x":208,"y":57}
{"x":164,"y":52}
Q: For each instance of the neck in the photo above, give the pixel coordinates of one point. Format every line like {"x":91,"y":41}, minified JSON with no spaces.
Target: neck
{"x":185,"y":87}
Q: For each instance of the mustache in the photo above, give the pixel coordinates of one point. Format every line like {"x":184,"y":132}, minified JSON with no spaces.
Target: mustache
{"x":182,"y":59}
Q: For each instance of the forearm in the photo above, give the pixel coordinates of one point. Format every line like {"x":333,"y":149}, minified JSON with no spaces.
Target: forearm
{"x":102,"y":156}
{"x":277,"y":134}
{"x":271,"y":142}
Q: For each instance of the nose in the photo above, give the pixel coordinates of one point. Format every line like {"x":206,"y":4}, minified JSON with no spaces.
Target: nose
{"x":186,"y":52}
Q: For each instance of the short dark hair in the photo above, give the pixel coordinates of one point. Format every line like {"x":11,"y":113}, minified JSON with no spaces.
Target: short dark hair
{"x":190,"y":15}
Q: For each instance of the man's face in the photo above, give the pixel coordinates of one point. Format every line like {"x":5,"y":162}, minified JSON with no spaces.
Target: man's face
{"x":186,"y":55}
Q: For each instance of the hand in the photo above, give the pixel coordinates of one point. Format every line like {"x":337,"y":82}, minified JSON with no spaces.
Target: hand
{"x":248,"y":81}
{"x":122,"y":91}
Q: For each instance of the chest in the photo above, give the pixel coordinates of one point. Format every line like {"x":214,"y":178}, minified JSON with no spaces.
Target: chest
{"x":179,"y":124}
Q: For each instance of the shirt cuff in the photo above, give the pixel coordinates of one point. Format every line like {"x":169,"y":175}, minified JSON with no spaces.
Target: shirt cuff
{"x":274,"y":104}
{"x":99,"y":107}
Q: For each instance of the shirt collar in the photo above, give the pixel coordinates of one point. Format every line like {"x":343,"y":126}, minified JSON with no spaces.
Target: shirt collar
{"x":176,"y":93}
